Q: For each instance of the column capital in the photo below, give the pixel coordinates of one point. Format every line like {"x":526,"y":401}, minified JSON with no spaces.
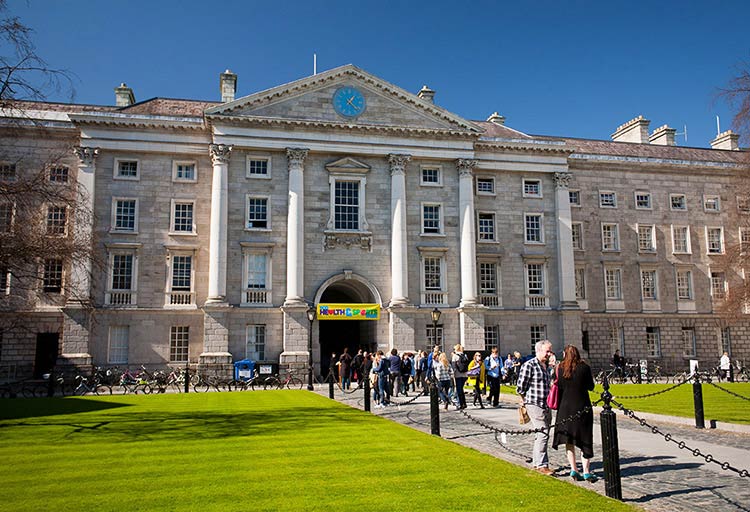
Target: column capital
{"x":398,"y":162}
{"x":86,"y":156}
{"x":465,"y":166}
{"x":220,"y":153}
{"x":562,"y":179}
{"x":296,"y":157}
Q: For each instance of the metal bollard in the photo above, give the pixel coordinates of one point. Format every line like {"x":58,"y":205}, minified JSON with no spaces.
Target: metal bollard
{"x":187,"y":378}
{"x":367,"y":394}
{"x":610,"y":446}
{"x":434,"y":410}
{"x":330,"y":384}
{"x":698,"y":401}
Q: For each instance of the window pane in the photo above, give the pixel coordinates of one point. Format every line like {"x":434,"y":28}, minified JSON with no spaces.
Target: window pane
{"x":256,"y":271}
{"x":56,"y":220}
{"x":431,"y":214}
{"x":255,"y":343}
{"x":181,"y":270}
{"x":178,"y":344}
{"x":258,"y":167}
{"x":346,"y":205}
{"x":53,"y":275}
{"x":127,"y":168}
{"x":125,"y":215}
{"x":257,"y":212}
{"x":183,"y":217}
{"x":432,"y":273}
{"x":119,"y":336}
{"x":122,"y":271}
{"x":487,"y":226}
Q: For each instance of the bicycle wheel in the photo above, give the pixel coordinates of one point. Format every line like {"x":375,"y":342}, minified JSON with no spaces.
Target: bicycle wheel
{"x":271,"y":383}
{"x":660,"y":379}
{"x":201,"y":387}
{"x":102,"y":389}
{"x":633,"y":378}
{"x":294,"y":383}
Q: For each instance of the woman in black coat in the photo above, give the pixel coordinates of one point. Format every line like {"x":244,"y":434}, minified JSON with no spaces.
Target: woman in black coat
{"x":576,"y":429}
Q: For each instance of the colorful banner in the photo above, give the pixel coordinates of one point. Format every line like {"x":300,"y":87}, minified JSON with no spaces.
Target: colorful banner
{"x":348,"y":312}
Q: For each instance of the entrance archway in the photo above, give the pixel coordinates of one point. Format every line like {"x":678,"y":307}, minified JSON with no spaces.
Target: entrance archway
{"x":335,"y":335}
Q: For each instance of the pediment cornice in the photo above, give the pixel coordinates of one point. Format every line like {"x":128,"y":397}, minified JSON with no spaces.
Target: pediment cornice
{"x":525,"y":145}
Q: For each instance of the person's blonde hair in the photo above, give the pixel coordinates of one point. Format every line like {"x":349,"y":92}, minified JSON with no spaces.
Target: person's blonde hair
{"x":443,"y":359}
{"x":458,"y":347}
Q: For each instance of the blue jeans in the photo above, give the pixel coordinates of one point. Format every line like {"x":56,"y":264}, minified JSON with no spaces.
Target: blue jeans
{"x":444,"y":387}
{"x":384,"y":387}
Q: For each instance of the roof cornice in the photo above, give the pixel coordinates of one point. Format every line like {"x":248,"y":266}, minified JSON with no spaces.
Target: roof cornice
{"x":528,"y":145}
{"x":138,"y":120}
{"x":652,"y":161}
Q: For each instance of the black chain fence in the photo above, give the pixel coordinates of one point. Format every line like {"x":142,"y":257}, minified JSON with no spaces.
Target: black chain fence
{"x":655,"y":393}
{"x":725,"y":390}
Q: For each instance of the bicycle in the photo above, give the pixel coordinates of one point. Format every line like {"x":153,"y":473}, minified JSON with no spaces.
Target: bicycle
{"x":204,"y":383}
{"x":243,"y":384}
{"x":742,"y":373}
{"x":134,"y":383}
{"x":290,"y":382}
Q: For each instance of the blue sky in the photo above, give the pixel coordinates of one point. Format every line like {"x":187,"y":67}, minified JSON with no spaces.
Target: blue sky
{"x":577,"y":69}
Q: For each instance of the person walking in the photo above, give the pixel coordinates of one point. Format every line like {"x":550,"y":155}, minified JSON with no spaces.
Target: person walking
{"x":406,"y":367}
{"x":725,"y":365}
{"x":477,"y":373}
{"x":460,"y":364}
{"x":395,"y":375}
{"x":444,"y":376}
{"x":345,"y":369}
{"x":358,"y":366}
{"x":533,"y":388}
{"x":381,"y":366}
{"x":493,"y":366}
{"x":574,"y":428}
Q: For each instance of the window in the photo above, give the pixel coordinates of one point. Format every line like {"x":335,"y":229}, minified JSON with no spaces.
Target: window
{"x":688,"y":341}
{"x":744,"y":239}
{"x":180,"y":279}
{"x":607,"y":199}
{"x":743,"y":204}
{"x":613,"y":283}
{"x":119,"y":338}
{"x":182,"y":217}
{"x":718,"y":285}
{"x":648,"y":284}
{"x":6,"y":217}
{"x":125,"y":215}
{"x":532,"y":188}
{"x":57,"y":220}
{"x":610,"y":237}
{"x":258,"y":167}
{"x":58,"y":174}
{"x":536,"y":295}
{"x":255,"y":342}
{"x":488,"y":284}
{"x":179,"y":338}
{"x":491,"y":337}
{"x":534,"y":228}
{"x":123,"y":272}
{"x":537,"y":333}
{"x":257,"y":213}
{"x":725,"y":341}
{"x":434,"y":336}
{"x":684,"y":284}
{"x":126,"y":169}
{"x":432,"y":272}
{"x":646,"y":238}
{"x":4,"y":281}
{"x":642,"y":200}
{"x":677,"y":202}
{"x":432,"y":221}
{"x":715,"y":240}
{"x":257,"y":275}
{"x":486,"y":186}
{"x":346,"y":205}
{"x":680,"y":239}
{"x":184,"y":171}
{"x":653,"y":342}
{"x":7,"y":171}
{"x":575,"y":197}
{"x":576,"y":231}
{"x":52,"y":277}
{"x":711,"y":204}
{"x":617,"y":339}
{"x":486,"y":227}
{"x":431,"y":176}
{"x":580,"y":280}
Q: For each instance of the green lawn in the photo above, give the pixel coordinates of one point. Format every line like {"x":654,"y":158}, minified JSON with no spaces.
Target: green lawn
{"x":274,"y":450}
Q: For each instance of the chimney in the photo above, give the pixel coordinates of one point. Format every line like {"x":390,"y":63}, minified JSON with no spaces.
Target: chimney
{"x":427,"y":94}
{"x":227,"y":86}
{"x":124,"y":96}
{"x":663,"y":136}
{"x":496,"y":118}
{"x":726,"y":140}
{"x":635,"y":130}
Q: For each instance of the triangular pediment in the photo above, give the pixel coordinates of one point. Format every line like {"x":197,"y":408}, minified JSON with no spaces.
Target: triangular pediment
{"x":310,"y":101}
{"x":347,"y":165}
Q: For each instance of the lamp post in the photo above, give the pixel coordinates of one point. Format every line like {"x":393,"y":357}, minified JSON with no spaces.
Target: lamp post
{"x":311,"y":318}
{"x":435,"y":313}
{"x":434,"y":406}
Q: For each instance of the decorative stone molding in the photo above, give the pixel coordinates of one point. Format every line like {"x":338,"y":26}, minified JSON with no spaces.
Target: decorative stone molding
{"x":87,"y":156}
{"x":219,"y":153}
{"x":562,"y":179}
{"x":398,"y":162}
{"x":347,"y":240}
{"x":296,"y":157}
{"x":465,"y":167}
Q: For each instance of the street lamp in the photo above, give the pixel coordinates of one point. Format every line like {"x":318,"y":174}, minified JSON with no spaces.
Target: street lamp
{"x":311,"y":318}
{"x":435,"y":313}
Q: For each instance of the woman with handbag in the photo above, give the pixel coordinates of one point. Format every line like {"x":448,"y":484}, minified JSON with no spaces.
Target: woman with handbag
{"x":575,"y":428}
{"x":477,"y":377}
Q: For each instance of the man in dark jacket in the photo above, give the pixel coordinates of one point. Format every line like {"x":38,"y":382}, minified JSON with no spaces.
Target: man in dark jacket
{"x":395,"y":369}
{"x":357,"y":366}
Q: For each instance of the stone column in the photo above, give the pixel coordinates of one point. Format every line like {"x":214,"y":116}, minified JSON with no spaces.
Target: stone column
{"x":217,"y":245}
{"x":83,"y":225}
{"x":295,"y":248}
{"x":468,"y":232}
{"x":399,"y":259}
{"x":565,"y":260}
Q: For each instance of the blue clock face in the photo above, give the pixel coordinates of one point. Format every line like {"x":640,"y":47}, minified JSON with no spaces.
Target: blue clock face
{"x":349,"y":101}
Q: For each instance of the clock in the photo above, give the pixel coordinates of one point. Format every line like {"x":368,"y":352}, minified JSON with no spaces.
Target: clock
{"x":349,"y":101}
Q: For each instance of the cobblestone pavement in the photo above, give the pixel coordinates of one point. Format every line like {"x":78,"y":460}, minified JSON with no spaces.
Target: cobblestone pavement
{"x":656,"y":475}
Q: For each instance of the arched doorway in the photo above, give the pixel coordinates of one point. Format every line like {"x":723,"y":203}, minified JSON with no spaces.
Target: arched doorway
{"x":335,"y":335}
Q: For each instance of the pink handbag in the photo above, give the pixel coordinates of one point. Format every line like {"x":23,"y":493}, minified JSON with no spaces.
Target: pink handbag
{"x":553,"y":399}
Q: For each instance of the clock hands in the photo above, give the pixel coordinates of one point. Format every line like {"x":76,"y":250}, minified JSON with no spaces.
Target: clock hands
{"x":349,"y":102}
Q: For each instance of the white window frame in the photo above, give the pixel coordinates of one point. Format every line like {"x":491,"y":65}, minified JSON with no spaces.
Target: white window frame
{"x":653,"y":341}
{"x":116,"y":169}
{"x":652,"y":228}
{"x":121,"y":297}
{"x":63,"y":276}
{"x":438,"y":168}
{"x":487,"y":179}
{"x":176,"y":333}
{"x":744,"y":239}
{"x":672,"y":197}
{"x":251,"y":335}
{"x":56,"y":167}
{"x":491,"y":337}
{"x":537,"y":297}
{"x":709,"y":199}
{"x":531,"y":195}
{"x":433,"y":296}
{"x":486,"y":298}
{"x":673,"y":229}
{"x":493,"y":235}
{"x":722,"y":295}
{"x":617,"y":339}
{"x":172,"y":218}
{"x":617,"y":271}
{"x":179,"y":299}
{"x":576,"y":204}
{"x":649,"y":199}
{"x":113,"y":220}
{"x":603,"y":193}
{"x":64,"y":231}
{"x":689,"y":345}
{"x":362,"y":202}
{"x":649,"y":291}
{"x":680,"y":288}
{"x":724,"y":337}
{"x":441,"y":220}
{"x":615,"y":237}
{"x":580,"y":245}
{"x":248,"y":197}
{"x":257,"y":296}
{"x":258,"y":157}
{"x":526,"y":231}
{"x":721,"y":240}
{"x":175,"y":166}
{"x":114,"y":349}
{"x":580,"y":283}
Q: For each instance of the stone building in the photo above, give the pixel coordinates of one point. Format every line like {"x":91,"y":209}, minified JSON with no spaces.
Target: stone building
{"x":221,"y":223}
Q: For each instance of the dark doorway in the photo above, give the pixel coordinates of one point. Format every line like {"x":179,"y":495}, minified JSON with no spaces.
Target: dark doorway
{"x":47,"y":344}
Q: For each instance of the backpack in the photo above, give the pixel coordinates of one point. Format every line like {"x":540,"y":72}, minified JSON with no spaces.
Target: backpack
{"x":462,"y":364}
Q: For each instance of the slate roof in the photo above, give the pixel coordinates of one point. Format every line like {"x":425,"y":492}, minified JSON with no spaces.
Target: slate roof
{"x":169,"y":107}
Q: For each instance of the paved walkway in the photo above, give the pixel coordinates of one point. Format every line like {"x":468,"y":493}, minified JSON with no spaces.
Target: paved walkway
{"x":656,"y":474}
